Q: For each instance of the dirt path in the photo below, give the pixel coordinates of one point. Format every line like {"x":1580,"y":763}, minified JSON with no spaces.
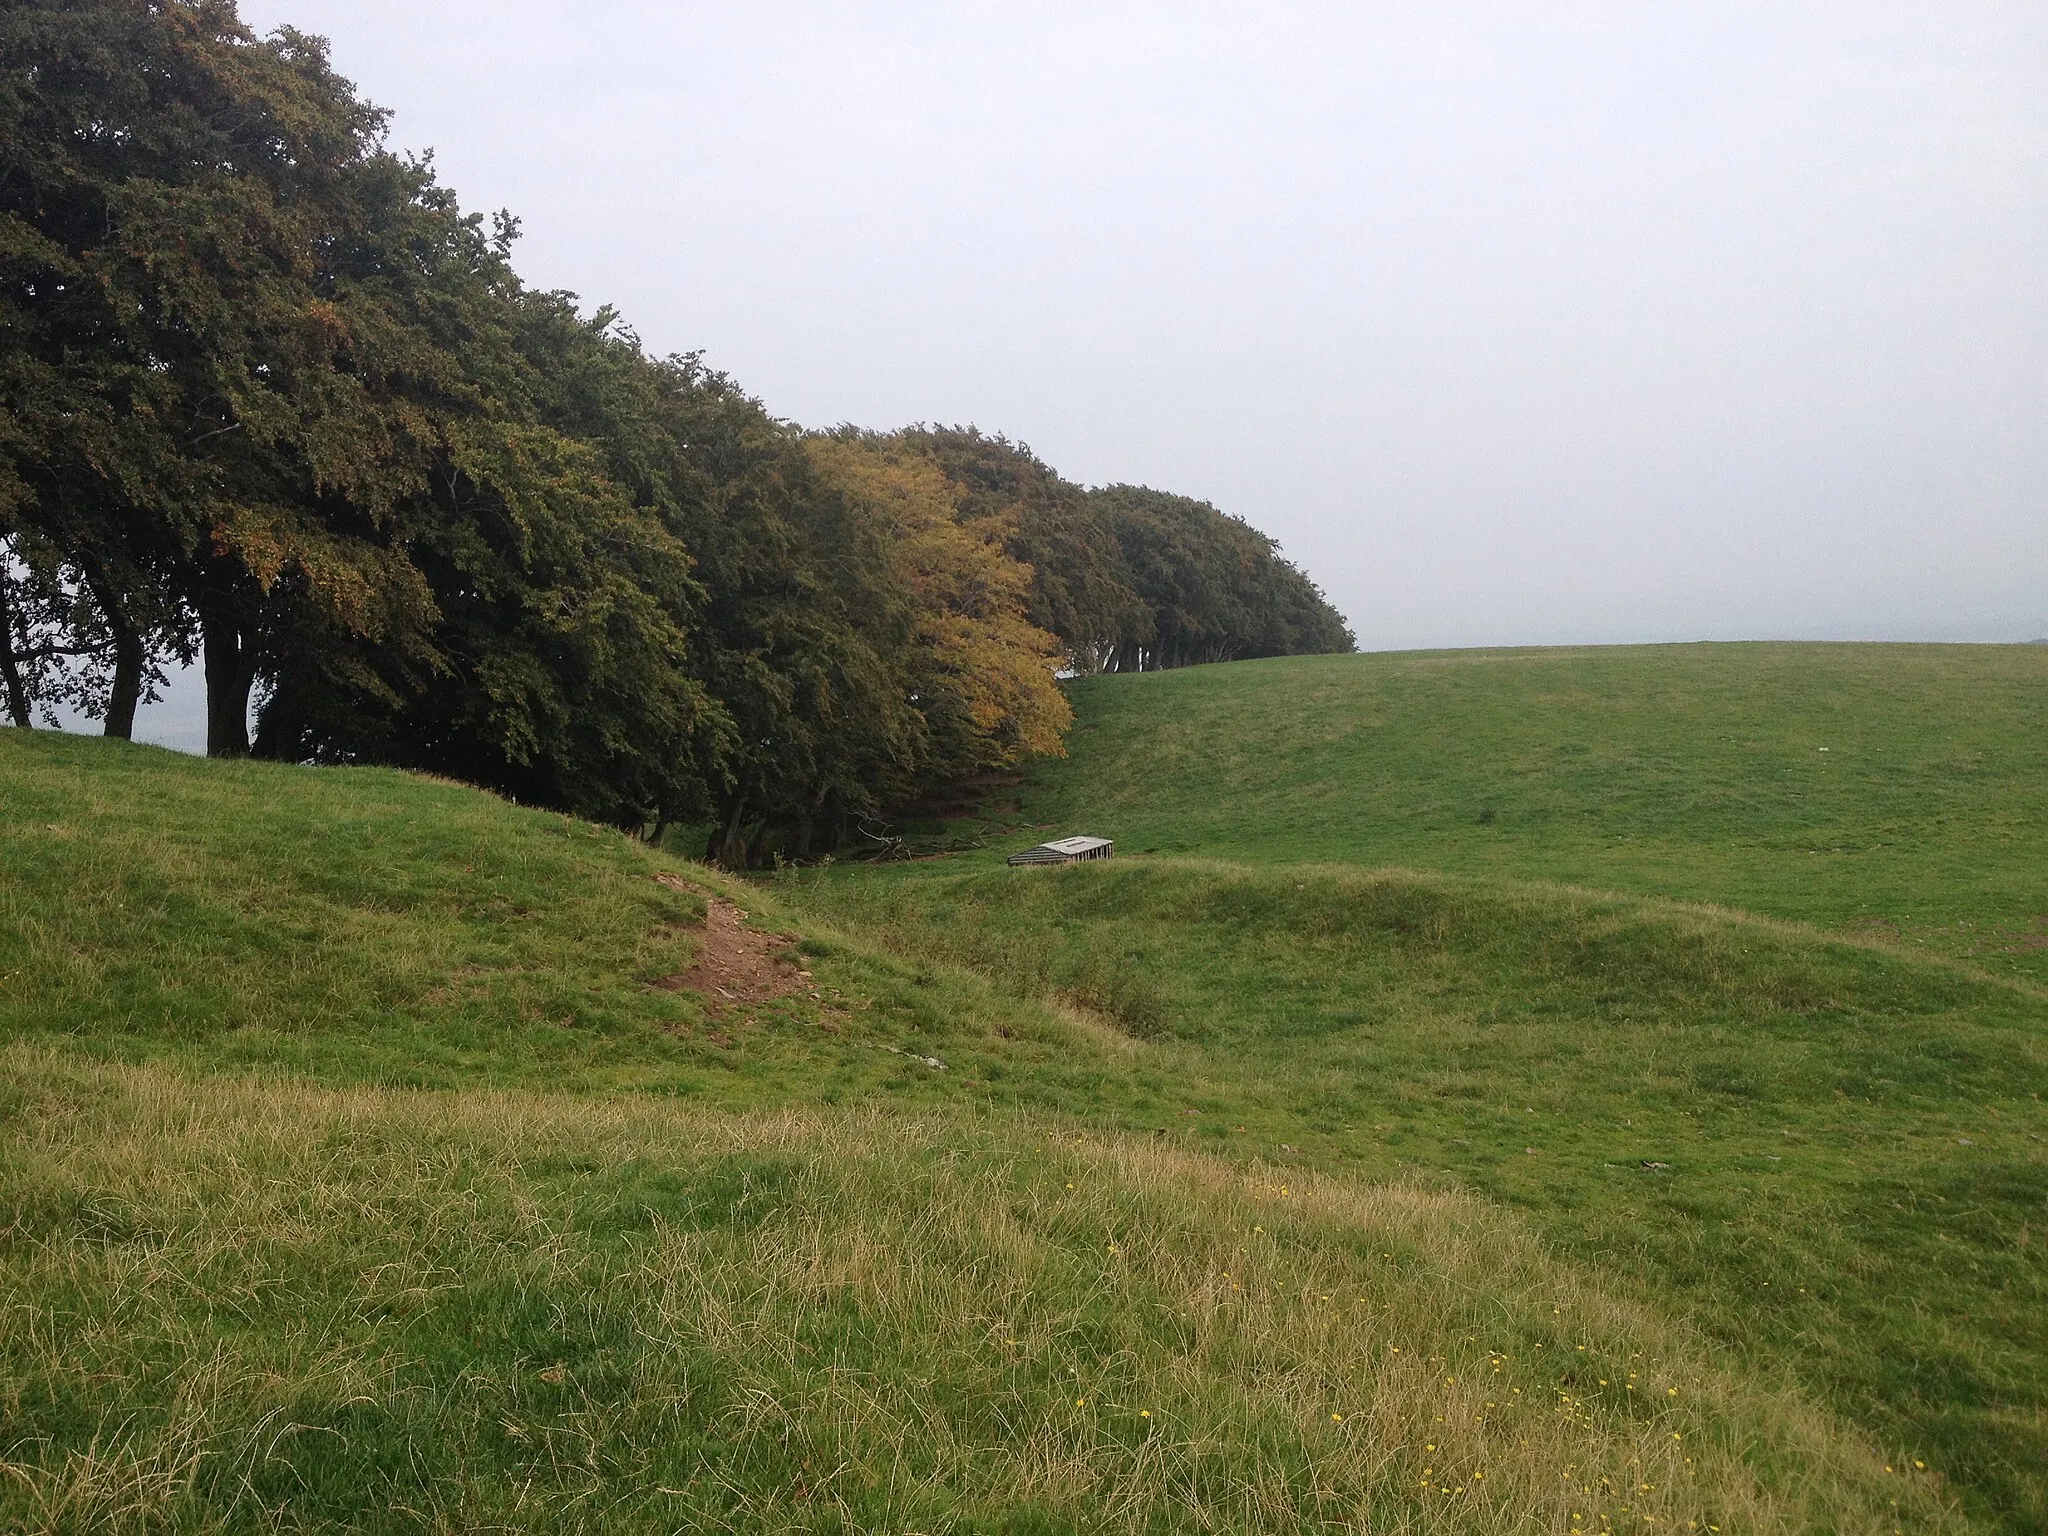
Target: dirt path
{"x":738,"y":968}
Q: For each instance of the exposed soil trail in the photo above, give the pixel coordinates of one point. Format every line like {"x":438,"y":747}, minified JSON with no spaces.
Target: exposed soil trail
{"x":738,"y":968}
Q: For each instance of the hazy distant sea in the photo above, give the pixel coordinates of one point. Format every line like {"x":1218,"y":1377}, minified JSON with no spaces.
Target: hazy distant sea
{"x":178,"y":720}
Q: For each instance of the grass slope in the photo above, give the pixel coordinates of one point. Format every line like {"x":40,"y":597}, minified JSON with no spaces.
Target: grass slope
{"x":1851,"y":1192}
{"x":246,"y":1305}
{"x":1828,"y":1153}
{"x":369,"y":926}
{"x":355,"y":1173}
{"x":1696,"y":772}
{"x":1849,"y":1117}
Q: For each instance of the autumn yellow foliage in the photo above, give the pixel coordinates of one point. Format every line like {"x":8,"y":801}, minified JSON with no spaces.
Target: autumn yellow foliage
{"x":981,"y":659}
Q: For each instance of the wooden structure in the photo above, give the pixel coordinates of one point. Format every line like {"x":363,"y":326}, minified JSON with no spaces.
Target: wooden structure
{"x":1067,"y":850}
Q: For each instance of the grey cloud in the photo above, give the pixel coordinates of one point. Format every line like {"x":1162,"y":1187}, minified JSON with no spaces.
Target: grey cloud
{"x":1566,"y":322}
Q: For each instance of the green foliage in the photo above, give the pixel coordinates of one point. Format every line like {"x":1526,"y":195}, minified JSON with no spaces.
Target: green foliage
{"x":557,"y":668}
{"x":1215,"y":588}
{"x":1132,"y":579}
{"x":269,"y":396}
{"x":1080,"y":589}
{"x":190,"y":365}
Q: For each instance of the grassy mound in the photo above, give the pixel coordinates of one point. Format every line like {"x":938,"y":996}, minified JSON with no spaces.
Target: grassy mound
{"x":1900,"y":790}
{"x":365,"y":1164}
{"x":370,"y":926}
{"x":239,"y":1303}
{"x":1831,"y":1153}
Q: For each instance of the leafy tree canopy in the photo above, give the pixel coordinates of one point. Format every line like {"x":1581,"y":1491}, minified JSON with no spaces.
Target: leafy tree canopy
{"x":269,"y":399}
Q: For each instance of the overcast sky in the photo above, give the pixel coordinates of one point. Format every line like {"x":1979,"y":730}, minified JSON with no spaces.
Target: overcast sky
{"x":1517,"y":323}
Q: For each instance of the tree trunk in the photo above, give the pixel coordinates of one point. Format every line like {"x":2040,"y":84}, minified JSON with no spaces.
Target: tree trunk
{"x":728,"y":847}
{"x":230,"y":674}
{"x":17,"y":695}
{"x":10,"y":670}
{"x":126,"y":691}
{"x":129,"y":655}
{"x":269,"y":740}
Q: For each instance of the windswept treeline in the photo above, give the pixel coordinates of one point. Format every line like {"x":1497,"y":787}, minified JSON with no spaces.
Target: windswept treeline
{"x":271,"y":403}
{"x":1131,"y":579}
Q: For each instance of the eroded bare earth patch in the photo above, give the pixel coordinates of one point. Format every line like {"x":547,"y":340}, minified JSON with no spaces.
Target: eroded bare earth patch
{"x":739,"y":969}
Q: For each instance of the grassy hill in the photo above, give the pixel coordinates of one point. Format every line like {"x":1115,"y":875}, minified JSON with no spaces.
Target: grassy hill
{"x":240,"y":1304}
{"x":1815,"y":1124}
{"x":1892,"y":790}
{"x":372,"y":927}
{"x":375,"y":1153}
{"x":360,"y":1166}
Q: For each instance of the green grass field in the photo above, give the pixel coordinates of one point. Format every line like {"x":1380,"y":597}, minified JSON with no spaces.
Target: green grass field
{"x":1405,"y":1145}
{"x":1893,"y":790}
{"x":1412,"y":916}
{"x":243,"y":1304}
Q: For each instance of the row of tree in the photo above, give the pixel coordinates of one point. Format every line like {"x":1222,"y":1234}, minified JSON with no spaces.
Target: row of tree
{"x":272,"y":404}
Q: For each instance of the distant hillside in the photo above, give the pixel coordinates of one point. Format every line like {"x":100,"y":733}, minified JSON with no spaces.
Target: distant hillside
{"x":1894,"y":790}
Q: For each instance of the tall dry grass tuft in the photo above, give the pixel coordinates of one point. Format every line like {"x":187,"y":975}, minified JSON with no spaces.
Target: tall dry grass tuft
{"x":255,"y":1304}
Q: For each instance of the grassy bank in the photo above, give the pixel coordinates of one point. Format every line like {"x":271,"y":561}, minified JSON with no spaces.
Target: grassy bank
{"x":1830,"y":1154}
{"x":245,"y":1304}
{"x":367,"y":926}
{"x":1812,"y":1113}
{"x":371,"y":1156}
{"x":1900,"y":790}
